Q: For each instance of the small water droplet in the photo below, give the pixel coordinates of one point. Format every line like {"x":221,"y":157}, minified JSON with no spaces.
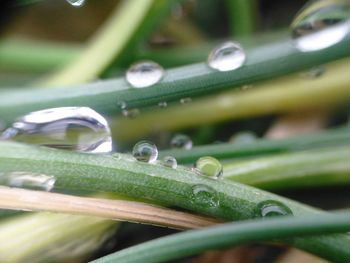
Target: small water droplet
{"x":170,"y":161}
{"x":181,"y":141}
{"x":269,"y":208}
{"x":76,"y":3}
{"x":204,"y":195}
{"x":314,"y":72}
{"x":162,"y":104}
{"x":246,"y":87}
{"x":319,"y":25}
{"x":131,"y":113}
{"x":227,"y":56}
{"x":122,"y":105}
{"x":28,"y":180}
{"x":145,"y":151}
{"x":144,"y":74}
{"x":185,"y":100}
{"x":75,"y":128}
{"x":243,"y":137}
{"x":209,"y":166}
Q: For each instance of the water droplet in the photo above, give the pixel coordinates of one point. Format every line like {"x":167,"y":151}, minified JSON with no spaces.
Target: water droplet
{"x":319,"y":24}
{"x":162,"y":104}
{"x":144,"y":74}
{"x":314,"y":72}
{"x":76,"y":3}
{"x":227,"y":56}
{"x":131,"y":113}
{"x":28,"y":180}
{"x":170,"y":161}
{"x":145,"y":151}
{"x":209,"y":166}
{"x":75,"y":128}
{"x":122,"y":105}
{"x":185,"y":100}
{"x":204,"y":195}
{"x":181,"y":141}
{"x":243,"y":137}
{"x":269,"y":208}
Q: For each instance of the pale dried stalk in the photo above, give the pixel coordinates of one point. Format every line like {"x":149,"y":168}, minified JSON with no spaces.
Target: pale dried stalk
{"x":121,"y":210}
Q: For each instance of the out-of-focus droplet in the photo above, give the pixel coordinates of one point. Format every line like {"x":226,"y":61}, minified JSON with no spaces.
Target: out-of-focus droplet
{"x":270,"y":208}
{"x":321,"y":24}
{"x":75,"y":128}
{"x":243,"y":137}
{"x":204,"y":195}
{"x":145,"y":151}
{"x":131,"y":113}
{"x":122,"y":105}
{"x":185,"y":100}
{"x":181,"y":141}
{"x":162,"y":104}
{"x":170,"y":161}
{"x":227,"y":56}
{"x":209,"y":166}
{"x":144,"y":74}
{"x":314,"y":72}
{"x":29,"y":180}
{"x":76,"y":3}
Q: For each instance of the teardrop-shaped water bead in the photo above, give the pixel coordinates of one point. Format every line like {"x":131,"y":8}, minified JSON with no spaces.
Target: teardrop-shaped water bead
{"x":145,"y":151}
{"x":75,"y":128}
{"x":321,"y":24}
{"x":227,"y":56}
{"x":144,"y":74}
{"x":76,"y":3}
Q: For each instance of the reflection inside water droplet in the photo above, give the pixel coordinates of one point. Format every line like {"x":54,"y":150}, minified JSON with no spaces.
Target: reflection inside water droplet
{"x":74,"y":128}
{"x":76,"y":3}
{"x":321,"y":24}
{"x":28,"y":180}
{"x":227,"y":56}
{"x":145,"y":151}
{"x":144,"y":74}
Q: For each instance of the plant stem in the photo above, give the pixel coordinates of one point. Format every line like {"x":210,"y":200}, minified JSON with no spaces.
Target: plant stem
{"x":262,"y":147}
{"x":194,"y":242}
{"x":319,"y":167}
{"x":172,"y":187}
{"x":266,"y":61}
{"x":241,"y":16}
{"x":19,"y":199}
{"x":276,"y":96}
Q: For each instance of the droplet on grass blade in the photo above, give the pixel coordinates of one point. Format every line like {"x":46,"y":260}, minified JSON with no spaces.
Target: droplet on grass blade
{"x":144,"y":74}
{"x":145,"y":151}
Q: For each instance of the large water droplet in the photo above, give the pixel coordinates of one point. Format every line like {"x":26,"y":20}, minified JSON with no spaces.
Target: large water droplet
{"x":227,"y":56}
{"x":269,"y":208}
{"x":144,"y":74}
{"x":145,"y":151}
{"x":209,"y":166}
{"x":170,"y":161}
{"x":76,"y":3}
{"x":204,"y":195}
{"x":320,"y":24}
{"x":181,"y":141}
{"x":28,"y":180}
{"x":75,"y":128}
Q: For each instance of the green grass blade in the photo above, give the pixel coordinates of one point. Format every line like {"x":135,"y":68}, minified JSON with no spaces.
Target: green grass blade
{"x":261,"y":147}
{"x":232,"y":234}
{"x":172,"y":187}
{"x":266,"y":61}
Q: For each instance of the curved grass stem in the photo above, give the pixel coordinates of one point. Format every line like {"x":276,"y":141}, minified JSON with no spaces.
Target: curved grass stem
{"x":171,"y":187}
